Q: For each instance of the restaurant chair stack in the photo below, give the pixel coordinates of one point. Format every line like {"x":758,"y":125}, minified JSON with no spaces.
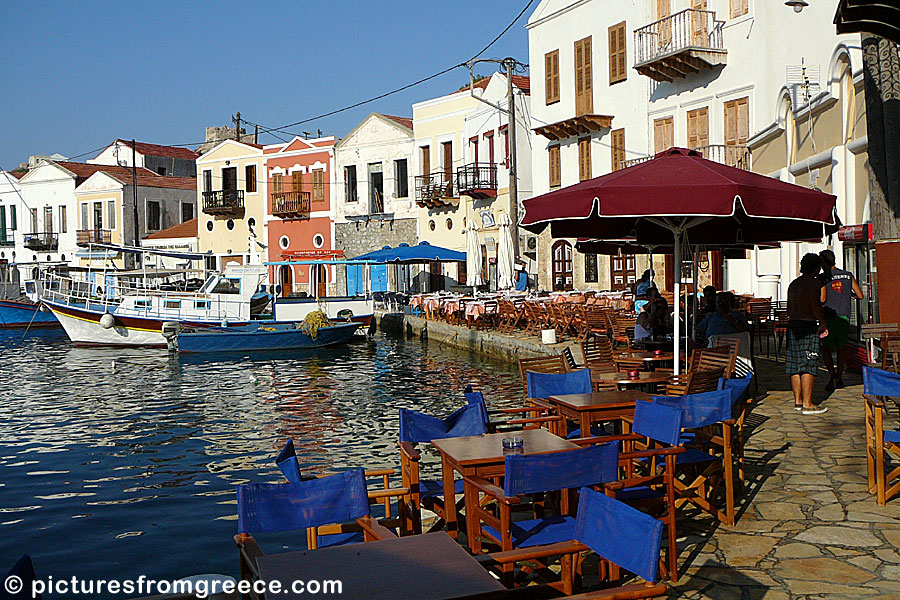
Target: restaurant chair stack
{"x":882,"y":445}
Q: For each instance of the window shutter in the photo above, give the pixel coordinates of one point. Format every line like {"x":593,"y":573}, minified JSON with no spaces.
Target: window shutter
{"x":584,"y":159}
{"x":548,"y":77}
{"x":613,"y":54}
{"x":743,"y":120}
{"x":622,"y":56}
{"x":617,"y":139}
{"x":579,"y":76}
{"x":588,"y":92}
{"x":703,"y":127}
{"x":555,"y":170}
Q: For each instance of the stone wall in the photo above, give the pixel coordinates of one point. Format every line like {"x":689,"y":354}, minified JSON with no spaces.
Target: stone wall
{"x":360,"y":237}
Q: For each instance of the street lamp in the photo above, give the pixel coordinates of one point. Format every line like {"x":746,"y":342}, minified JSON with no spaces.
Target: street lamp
{"x":797,"y":5}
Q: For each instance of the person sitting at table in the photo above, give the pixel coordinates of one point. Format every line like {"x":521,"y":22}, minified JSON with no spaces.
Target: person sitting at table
{"x":639,"y":288}
{"x":724,"y":321}
{"x":708,"y":301}
{"x":651,"y":322}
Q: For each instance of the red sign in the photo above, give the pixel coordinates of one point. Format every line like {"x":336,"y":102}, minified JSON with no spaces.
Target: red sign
{"x":855,"y":233}
{"x":313,"y":254}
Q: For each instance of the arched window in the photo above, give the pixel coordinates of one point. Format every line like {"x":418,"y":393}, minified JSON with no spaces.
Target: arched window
{"x":563,"y":271}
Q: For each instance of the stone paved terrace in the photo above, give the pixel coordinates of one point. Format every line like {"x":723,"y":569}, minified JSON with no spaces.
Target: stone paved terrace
{"x":807,"y":527}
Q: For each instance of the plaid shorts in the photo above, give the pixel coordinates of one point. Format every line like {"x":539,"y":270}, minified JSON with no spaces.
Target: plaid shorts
{"x":802,"y":354}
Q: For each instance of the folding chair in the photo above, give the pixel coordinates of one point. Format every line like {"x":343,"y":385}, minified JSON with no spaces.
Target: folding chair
{"x":541,"y":386}
{"x":881,"y":443}
{"x":271,"y":507}
{"x":537,"y":474}
{"x":418,"y":427}
{"x":534,"y":416}
{"x":598,"y":353}
{"x":624,"y":538}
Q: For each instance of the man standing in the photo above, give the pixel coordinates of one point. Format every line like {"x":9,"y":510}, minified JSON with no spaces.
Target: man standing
{"x":806,"y":324}
{"x":838,"y":288}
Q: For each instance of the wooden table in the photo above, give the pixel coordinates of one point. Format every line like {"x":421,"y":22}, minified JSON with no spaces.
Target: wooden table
{"x":650,"y":359}
{"x":644,"y":379}
{"x":597,"y":407}
{"x":428,"y":567}
{"x":483,"y":456}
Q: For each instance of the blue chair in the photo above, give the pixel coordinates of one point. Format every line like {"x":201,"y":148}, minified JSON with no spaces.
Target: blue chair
{"x":336,"y":506}
{"x":620,"y":535}
{"x":543,"y":385}
{"x":527,"y":474}
{"x":416,"y":427}
{"x":24,"y":570}
{"x":881,"y":443}
{"x":530,"y":416}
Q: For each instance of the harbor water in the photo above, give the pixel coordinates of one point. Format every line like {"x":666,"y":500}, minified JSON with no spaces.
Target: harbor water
{"x":118,"y":463}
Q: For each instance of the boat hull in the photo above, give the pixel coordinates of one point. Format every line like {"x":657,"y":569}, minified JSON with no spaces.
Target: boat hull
{"x":84,"y":329}
{"x":15,"y":314}
{"x":263,"y":337}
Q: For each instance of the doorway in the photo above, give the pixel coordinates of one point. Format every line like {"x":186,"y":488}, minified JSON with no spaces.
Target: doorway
{"x":285,"y":280}
{"x":563,"y":270}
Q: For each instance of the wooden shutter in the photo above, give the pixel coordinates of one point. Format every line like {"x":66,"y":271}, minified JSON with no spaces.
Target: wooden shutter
{"x":737,"y":122}
{"x":664,"y":10}
{"x":584,"y":89}
{"x":663,"y":134}
{"x":698,"y":127}
{"x":617,"y":144}
{"x":555,"y":172}
{"x":551,"y":77}
{"x":426,"y":160}
{"x":318,"y":181}
{"x":699,"y":27}
{"x":617,"y":57}
{"x":296,"y":181}
{"x":447,"y":148}
{"x":739,"y":8}
{"x":277,"y":183}
{"x":584,"y":159}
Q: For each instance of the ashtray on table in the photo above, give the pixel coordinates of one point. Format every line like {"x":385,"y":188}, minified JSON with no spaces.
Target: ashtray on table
{"x":513,"y":443}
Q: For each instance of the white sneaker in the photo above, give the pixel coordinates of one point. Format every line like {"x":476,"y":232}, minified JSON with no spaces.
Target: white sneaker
{"x":818,"y":410}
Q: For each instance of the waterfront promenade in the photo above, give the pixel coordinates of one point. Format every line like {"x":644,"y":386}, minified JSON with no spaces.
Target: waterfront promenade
{"x":808,"y":528}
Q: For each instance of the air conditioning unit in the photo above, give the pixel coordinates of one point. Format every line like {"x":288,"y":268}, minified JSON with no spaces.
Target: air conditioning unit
{"x":532,"y":243}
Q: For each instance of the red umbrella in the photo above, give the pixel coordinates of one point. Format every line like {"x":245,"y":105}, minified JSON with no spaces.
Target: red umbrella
{"x":678,"y":194}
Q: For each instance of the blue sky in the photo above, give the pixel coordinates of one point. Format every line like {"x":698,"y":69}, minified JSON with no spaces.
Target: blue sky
{"x":77,"y":75}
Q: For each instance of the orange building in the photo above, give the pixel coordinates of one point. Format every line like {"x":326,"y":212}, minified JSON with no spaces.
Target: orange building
{"x":299,"y":213}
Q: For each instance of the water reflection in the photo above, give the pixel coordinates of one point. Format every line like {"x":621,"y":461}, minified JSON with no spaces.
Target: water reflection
{"x":118,"y":462}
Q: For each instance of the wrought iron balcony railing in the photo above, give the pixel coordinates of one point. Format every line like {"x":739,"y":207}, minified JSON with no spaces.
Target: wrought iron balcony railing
{"x":435,"y":189}
{"x":478,"y":180}
{"x":680,"y":44}
{"x":223,"y":202}
{"x":291,"y":205}
{"x":42,"y":241}
{"x":6,"y":238}
{"x":84,"y":237}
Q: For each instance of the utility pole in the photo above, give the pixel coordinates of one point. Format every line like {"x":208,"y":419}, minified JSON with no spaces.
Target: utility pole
{"x":237,"y":130}
{"x":137,"y":231}
{"x":513,"y":162}
{"x":256,"y":134}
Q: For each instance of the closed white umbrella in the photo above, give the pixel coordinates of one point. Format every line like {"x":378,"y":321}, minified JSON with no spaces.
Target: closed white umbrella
{"x":506,"y":254}
{"x":473,"y":256}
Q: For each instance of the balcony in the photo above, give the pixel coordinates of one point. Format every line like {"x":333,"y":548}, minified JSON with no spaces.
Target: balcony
{"x":83,"y":237}
{"x":733,"y":156}
{"x":679,"y":45}
{"x":224,"y":202}
{"x":434,"y":190}
{"x":46,"y":241}
{"x":635,"y":161}
{"x":291,"y":205}
{"x":6,"y":238}
{"x":477,"y":180}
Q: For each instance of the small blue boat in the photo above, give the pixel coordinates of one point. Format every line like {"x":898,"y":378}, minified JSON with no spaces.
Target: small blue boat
{"x":259,"y":336}
{"x":14,"y":313}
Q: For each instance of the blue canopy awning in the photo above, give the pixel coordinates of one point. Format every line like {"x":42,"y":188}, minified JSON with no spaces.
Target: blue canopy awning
{"x":421,"y":252}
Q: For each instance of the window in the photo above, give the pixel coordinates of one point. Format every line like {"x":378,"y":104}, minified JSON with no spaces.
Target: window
{"x":489,"y":140}
{"x":555,"y":174}
{"x":504,"y":131}
{"x":664,"y":27}
{"x":621,"y":272}
{"x":207,"y":180}
{"x":663,"y":134}
{"x":698,"y":127}
{"x":161,"y":171}
{"x":187,"y":212}
{"x":250,"y":178}
{"x":473,"y":148}
{"x":85,"y":216}
{"x":318,"y":240}
{"x":229,"y":224}
{"x":13,"y":225}
{"x":449,"y":224}
{"x":563,"y":276}
{"x":48,"y":219}
{"x":584,"y":89}
{"x":401,"y":178}
{"x":111,"y":213}
{"x":318,"y":183}
{"x":34,"y":223}
{"x":296,"y":181}
{"x":350,"y":194}
{"x":425,"y":152}
{"x":584,"y":159}
{"x":63,"y":224}
{"x":154,"y":218}
{"x":277,"y":183}
{"x":284,"y":241}
{"x":447,"y":160}
{"x":739,"y":8}
{"x":376,"y":188}
{"x":229,"y":178}
{"x":618,"y":69}
{"x":204,"y":304}
{"x":142,"y":304}
{"x":98,"y":216}
{"x":551,"y":76}
{"x":227,"y":285}
{"x":737,"y":121}
{"x":209,"y":227}
{"x":617,"y":148}
{"x":172,"y":304}
{"x":591,"y":273}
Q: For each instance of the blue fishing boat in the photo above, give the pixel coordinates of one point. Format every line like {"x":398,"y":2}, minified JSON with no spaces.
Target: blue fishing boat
{"x":14,"y":313}
{"x":258,"y":337}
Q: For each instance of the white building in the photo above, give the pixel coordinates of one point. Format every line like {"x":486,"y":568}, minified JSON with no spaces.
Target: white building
{"x":11,"y":207}
{"x":625,"y":80}
{"x":171,"y":161}
{"x":183,"y":237}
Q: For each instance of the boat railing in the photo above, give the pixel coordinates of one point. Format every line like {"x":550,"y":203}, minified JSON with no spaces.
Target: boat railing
{"x":157,"y":303}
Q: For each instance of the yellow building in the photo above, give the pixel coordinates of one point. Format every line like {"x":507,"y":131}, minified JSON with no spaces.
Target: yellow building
{"x":107,"y":208}
{"x":231,"y":194}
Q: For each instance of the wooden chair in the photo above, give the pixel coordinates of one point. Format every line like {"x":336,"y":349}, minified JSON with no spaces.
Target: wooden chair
{"x":623,"y":331}
{"x":541,"y":364}
{"x":890,"y":353}
{"x":694,"y":382}
{"x":877,"y":331}
{"x":884,"y":482}
{"x":759,"y":313}
{"x":596,"y":322}
{"x":570,"y":358}
{"x":267,"y":507}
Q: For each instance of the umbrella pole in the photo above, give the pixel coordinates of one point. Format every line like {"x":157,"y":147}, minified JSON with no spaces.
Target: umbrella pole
{"x":677,"y":324}
{"x":696,"y":276}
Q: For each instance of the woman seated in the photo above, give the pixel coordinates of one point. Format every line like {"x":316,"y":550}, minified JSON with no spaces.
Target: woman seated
{"x":652,"y":320}
{"x":724,"y":321}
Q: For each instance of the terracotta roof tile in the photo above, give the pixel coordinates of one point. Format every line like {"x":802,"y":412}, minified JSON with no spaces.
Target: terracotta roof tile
{"x":523,"y":82}
{"x":188,"y":229}
{"x":405,"y":121}
{"x":157,"y":150}
{"x":83,"y":171}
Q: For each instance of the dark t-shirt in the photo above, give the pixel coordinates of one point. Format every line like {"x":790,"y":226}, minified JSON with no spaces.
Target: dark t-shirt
{"x":804,"y":303}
